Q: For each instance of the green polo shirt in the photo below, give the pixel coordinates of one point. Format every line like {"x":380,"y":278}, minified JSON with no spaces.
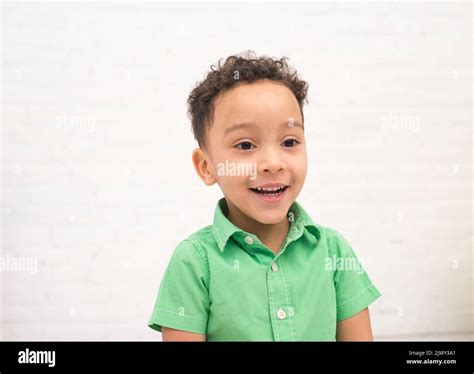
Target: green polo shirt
{"x":223,"y":282}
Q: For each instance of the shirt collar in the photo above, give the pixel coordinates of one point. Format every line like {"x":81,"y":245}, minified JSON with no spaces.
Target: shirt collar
{"x":223,"y":229}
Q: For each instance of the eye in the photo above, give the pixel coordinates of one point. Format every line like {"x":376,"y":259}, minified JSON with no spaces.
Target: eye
{"x":290,"y":143}
{"x":244,"y":145}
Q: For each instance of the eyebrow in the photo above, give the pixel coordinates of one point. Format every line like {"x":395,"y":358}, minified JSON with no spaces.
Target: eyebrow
{"x":243,"y":125}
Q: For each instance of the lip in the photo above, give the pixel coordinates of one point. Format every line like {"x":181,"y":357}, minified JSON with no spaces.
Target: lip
{"x":271,"y":199}
{"x":272,"y":185}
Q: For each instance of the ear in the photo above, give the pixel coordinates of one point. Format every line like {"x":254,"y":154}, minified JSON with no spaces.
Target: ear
{"x":202,"y":167}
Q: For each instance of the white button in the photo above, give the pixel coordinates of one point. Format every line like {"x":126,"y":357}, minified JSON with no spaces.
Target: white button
{"x":274,"y":267}
{"x":281,"y":314}
{"x":249,"y":240}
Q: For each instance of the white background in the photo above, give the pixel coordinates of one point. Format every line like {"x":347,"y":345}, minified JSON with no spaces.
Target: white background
{"x":98,"y":185}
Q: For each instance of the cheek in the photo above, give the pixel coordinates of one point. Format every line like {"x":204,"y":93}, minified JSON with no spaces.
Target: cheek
{"x":299,"y":166}
{"x":234,"y":171}
{"x":233,"y":183}
{"x":303,"y":164}
{"x":304,"y":167}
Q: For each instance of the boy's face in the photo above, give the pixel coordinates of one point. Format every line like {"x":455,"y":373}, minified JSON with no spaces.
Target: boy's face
{"x":256,"y":140}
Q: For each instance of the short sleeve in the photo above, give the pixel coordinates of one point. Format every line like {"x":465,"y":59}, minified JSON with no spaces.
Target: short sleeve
{"x":183,"y":297}
{"x":354,"y":289}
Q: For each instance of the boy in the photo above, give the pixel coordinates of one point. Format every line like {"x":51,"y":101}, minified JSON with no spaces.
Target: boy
{"x":263,"y":270}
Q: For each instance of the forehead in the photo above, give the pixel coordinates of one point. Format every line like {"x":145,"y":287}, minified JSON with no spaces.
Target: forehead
{"x":263,"y":102}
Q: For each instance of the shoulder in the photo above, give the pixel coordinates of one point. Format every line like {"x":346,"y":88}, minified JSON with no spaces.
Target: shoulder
{"x":331,"y":233}
{"x":336,"y":242}
{"x":195,"y":246}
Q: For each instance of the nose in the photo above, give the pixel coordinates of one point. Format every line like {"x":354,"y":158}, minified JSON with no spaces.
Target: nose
{"x":271,"y":161}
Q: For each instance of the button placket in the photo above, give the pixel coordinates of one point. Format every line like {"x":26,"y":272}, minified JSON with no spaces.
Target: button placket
{"x":282,"y":320}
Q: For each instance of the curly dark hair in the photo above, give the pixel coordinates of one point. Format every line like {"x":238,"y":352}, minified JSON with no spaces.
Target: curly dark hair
{"x":237,"y":70}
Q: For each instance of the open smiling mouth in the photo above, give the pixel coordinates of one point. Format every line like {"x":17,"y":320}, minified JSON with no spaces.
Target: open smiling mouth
{"x":270,"y":194}
{"x":274,"y":191}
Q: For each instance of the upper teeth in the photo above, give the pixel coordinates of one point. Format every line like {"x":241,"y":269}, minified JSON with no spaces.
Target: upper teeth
{"x":270,"y":188}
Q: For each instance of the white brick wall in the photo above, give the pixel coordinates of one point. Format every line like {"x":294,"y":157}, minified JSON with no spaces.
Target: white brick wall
{"x":98,"y":185}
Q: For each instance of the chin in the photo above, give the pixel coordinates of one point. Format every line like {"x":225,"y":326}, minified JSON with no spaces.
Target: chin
{"x":270,"y":219}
